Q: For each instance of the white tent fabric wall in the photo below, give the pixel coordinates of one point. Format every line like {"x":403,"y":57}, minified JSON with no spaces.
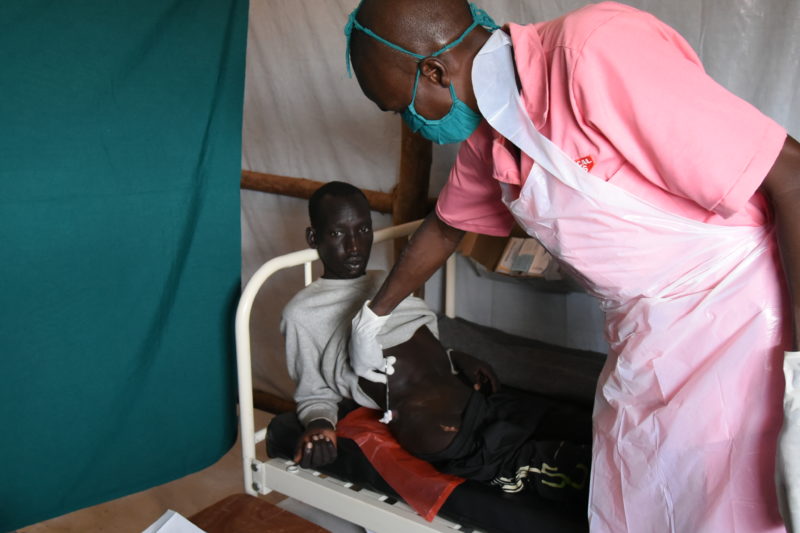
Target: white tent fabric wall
{"x":304,"y":117}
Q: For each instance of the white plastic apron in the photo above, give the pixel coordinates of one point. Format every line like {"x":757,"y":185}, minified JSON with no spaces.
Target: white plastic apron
{"x":688,"y":405}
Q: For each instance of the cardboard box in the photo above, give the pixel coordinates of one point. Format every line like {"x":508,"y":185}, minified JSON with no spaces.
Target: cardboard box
{"x":483,"y":249}
{"x":525,"y":257}
{"x":517,"y":256}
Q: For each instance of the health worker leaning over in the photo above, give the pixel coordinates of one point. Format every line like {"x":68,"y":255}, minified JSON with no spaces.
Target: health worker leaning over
{"x":670,"y":199}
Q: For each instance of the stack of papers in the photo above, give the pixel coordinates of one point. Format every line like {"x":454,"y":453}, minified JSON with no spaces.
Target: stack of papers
{"x":172,"y":522}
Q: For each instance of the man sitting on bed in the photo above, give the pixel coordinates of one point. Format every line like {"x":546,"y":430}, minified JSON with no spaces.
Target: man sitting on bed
{"x":443,"y":406}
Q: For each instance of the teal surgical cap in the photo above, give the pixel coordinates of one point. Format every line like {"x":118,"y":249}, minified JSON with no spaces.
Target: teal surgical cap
{"x":479,"y":18}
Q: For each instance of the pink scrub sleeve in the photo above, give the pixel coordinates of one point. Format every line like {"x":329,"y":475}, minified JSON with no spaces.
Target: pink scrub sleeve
{"x":472,"y":200}
{"x":639,"y":83}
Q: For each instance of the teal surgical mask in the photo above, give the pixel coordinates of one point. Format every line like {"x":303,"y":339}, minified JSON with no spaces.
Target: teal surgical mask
{"x":461,"y":120}
{"x":455,"y":126}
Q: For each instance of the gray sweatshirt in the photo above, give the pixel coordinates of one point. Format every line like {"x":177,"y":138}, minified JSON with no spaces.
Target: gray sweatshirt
{"x":316,"y":327}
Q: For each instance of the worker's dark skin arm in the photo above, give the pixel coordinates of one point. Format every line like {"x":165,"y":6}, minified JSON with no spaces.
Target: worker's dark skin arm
{"x":782,"y":188}
{"x":426,"y":252}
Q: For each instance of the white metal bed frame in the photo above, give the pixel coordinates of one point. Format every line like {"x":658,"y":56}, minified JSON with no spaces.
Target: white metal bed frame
{"x":368,"y":509}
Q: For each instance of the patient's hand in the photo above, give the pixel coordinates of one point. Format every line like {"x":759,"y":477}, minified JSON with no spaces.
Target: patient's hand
{"x":479,"y":373}
{"x":317,"y":446}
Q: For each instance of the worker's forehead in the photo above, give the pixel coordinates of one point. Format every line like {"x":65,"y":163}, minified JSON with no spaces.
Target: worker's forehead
{"x":384,"y":79}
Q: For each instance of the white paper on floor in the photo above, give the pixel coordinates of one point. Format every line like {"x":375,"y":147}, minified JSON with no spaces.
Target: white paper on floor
{"x":172,"y":522}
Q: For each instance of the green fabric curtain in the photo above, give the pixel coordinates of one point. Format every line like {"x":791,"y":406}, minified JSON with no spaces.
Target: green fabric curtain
{"x":120,"y":155}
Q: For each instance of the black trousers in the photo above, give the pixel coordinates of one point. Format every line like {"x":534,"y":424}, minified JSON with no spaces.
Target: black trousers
{"x":512,"y":438}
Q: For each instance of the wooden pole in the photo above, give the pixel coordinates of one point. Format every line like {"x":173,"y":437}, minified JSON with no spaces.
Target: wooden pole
{"x":381,"y":202}
{"x":271,"y":403}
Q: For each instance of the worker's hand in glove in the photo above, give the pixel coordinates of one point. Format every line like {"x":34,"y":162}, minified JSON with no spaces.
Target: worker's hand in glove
{"x":317,"y":446}
{"x":787,"y":473}
{"x":366,"y":355}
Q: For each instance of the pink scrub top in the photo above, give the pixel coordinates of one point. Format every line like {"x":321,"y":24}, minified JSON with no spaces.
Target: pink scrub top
{"x":626,"y":97}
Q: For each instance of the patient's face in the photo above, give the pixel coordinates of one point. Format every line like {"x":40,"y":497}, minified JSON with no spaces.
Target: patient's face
{"x":344,"y":240}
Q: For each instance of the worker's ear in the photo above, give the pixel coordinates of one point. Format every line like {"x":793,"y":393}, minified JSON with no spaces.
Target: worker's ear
{"x":311,"y":237}
{"x":435,"y":70}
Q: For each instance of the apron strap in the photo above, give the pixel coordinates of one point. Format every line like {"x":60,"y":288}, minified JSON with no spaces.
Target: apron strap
{"x":501,"y":104}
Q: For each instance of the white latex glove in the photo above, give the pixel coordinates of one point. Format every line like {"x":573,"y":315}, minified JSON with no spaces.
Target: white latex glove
{"x":366,"y":355}
{"x":787,"y":472}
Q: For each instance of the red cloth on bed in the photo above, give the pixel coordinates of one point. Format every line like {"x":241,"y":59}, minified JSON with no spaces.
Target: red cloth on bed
{"x":419,"y":484}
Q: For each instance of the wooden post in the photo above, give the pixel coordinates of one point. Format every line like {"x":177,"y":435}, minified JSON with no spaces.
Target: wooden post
{"x":381,"y":202}
{"x":272,"y":403}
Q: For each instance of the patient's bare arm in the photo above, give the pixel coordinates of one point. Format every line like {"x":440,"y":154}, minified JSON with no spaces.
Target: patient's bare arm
{"x":426,"y":251}
{"x":480,"y":374}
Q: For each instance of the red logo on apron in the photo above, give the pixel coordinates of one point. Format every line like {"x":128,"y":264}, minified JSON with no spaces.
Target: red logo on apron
{"x":586,"y":162}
